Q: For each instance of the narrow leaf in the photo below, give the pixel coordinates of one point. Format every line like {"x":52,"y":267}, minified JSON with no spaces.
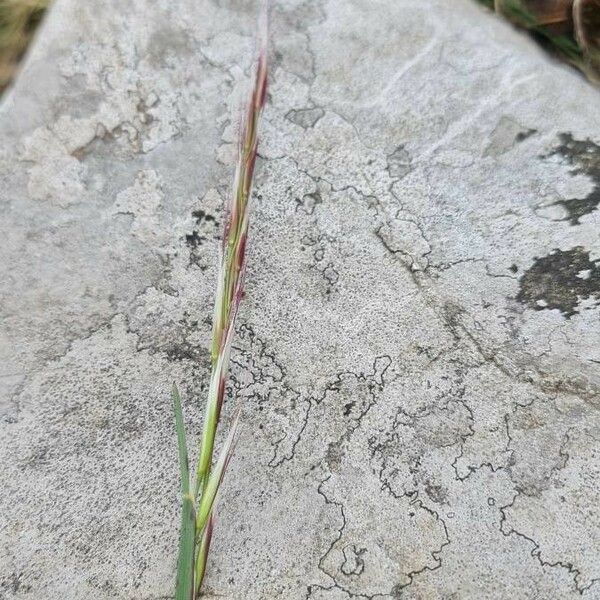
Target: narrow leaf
{"x":184,"y":588}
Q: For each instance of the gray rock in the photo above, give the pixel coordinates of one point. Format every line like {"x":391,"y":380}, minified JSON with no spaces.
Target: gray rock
{"x":418,"y":347}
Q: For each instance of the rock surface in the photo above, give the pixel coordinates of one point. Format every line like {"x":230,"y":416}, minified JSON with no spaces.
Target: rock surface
{"x":418,"y":347}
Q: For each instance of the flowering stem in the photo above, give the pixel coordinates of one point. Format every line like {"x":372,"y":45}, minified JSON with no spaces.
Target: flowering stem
{"x":198,"y":504}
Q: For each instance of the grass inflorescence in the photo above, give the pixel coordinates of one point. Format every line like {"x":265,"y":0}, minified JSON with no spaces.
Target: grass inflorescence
{"x":199,"y":490}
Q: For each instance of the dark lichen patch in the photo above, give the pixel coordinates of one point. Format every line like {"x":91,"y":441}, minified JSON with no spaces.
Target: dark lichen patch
{"x":309,"y":202}
{"x":194,"y":239}
{"x":200,"y":216}
{"x":206,"y":228}
{"x":561,"y":280}
{"x":584,"y":157}
{"x":578,"y":207}
{"x":523,"y":135}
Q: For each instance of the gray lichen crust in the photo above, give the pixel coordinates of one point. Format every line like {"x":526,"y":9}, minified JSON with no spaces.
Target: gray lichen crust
{"x":418,"y":346}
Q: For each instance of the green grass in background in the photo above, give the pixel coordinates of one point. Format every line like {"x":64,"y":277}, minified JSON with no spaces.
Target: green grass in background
{"x":18,"y":22}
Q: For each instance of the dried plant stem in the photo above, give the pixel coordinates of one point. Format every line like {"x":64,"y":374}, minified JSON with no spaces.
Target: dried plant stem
{"x":198,"y":505}
{"x":570,"y":27}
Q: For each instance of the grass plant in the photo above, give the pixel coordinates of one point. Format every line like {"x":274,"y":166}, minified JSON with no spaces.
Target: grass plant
{"x":199,"y":490}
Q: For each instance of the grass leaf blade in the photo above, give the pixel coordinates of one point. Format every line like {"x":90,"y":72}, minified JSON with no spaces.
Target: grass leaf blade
{"x":184,"y":589}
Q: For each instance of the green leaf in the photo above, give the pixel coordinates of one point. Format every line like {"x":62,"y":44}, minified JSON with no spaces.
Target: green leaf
{"x":184,"y":587}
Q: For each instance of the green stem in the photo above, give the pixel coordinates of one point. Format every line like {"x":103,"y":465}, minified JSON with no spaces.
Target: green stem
{"x":202,"y":556}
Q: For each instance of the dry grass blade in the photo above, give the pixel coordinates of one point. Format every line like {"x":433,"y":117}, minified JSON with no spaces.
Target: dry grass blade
{"x":205,"y":511}
{"x":569,"y":28}
{"x":209,"y":495}
{"x":586,"y":17}
{"x":521,"y":14}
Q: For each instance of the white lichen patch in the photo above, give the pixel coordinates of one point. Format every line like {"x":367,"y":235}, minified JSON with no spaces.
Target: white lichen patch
{"x":143,"y":202}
